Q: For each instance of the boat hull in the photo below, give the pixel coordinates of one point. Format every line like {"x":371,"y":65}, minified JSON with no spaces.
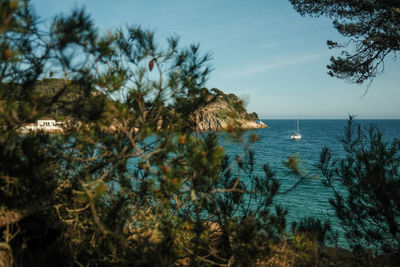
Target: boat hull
{"x":295,"y":136}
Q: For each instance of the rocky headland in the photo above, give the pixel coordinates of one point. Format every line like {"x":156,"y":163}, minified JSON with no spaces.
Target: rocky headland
{"x":224,"y":112}
{"x":219,"y":111}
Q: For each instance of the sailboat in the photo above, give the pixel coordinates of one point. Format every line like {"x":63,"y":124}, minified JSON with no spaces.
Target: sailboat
{"x":296,"y":135}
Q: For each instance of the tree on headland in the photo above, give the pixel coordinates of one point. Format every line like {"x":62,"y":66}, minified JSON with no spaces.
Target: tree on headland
{"x":372,"y":27}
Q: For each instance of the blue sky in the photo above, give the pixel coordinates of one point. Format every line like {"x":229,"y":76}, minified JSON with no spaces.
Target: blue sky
{"x":263,"y":51}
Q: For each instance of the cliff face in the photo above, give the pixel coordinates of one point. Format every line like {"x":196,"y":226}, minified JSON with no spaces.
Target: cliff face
{"x":225,"y":112}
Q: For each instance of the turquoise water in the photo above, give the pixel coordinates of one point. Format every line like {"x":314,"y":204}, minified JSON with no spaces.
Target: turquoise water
{"x":274,"y":146}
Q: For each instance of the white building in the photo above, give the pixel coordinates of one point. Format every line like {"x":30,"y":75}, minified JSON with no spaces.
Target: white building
{"x":44,"y":124}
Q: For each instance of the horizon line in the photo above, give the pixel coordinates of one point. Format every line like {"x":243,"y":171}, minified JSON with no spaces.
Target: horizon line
{"x":331,"y":118}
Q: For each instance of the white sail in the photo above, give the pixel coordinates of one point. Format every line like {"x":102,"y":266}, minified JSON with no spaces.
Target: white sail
{"x":296,"y":135}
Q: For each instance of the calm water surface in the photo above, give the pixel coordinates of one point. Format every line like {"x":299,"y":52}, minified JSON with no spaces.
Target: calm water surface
{"x":275,"y":146}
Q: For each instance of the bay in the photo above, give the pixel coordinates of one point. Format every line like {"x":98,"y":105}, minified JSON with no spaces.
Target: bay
{"x":310,"y":198}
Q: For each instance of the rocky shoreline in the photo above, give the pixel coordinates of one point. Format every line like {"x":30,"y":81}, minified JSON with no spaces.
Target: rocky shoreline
{"x":225,"y":112}
{"x":211,"y":122}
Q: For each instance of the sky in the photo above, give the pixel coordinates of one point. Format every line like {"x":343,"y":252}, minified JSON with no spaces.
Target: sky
{"x":263,"y":51}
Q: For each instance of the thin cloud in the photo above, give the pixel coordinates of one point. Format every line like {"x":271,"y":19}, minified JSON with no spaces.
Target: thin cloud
{"x":275,"y":65}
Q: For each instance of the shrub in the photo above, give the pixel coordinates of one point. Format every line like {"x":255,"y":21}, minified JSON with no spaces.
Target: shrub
{"x":314,"y":228}
{"x":366,"y":187}
{"x":128,"y":182}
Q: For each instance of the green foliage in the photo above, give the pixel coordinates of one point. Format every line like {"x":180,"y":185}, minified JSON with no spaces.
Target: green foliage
{"x":252,"y":116}
{"x":233,"y":101}
{"x":366,"y":186}
{"x":314,"y":228}
{"x":127,"y":183}
{"x":372,"y":27}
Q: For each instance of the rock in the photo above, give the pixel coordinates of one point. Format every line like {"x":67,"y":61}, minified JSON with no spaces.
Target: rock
{"x":225,"y":112}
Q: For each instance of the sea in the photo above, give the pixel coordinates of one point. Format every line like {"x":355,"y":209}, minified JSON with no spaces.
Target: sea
{"x":311,"y":197}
